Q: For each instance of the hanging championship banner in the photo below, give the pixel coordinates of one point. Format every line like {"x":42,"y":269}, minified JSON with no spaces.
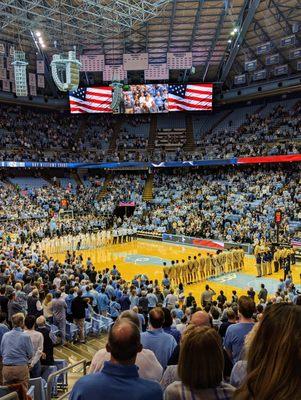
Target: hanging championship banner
{"x":3,"y":73}
{"x":40,"y":67}
{"x":41,"y":81}
{"x":135,"y":62}
{"x":111,"y":72}
{"x":5,"y":85}
{"x":32,"y":79}
{"x":156,"y":72}
{"x":92,"y":62}
{"x":179,"y":60}
{"x":33,"y":90}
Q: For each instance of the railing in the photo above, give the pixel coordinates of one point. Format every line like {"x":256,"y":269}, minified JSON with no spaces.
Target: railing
{"x":10,"y":396}
{"x":57,"y":373}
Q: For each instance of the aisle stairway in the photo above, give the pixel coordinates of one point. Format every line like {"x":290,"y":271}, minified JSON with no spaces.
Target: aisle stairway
{"x":148,"y":188}
{"x":190,"y":144}
{"x":152,"y":133}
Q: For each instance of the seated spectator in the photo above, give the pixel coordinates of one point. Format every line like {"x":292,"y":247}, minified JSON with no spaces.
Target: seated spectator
{"x":235,"y":334}
{"x":119,"y":376}
{"x":149,"y":366}
{"x":155,"y":339}
{"x":273,"y":356}
{"x":201,"y":350}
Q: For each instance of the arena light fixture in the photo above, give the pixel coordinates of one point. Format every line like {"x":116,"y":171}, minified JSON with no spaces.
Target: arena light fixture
{"x":38,"y":33}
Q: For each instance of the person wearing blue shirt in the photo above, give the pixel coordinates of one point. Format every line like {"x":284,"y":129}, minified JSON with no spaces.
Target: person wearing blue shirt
{"x":236,"y":333}
{"x":110,"y":290}
{"x":155,"y":339}
{"x":114,"y":308}
{"x":103,"y":302}
{"x":68,"y":301}
{"x":119,"y":378}
{"x":152,"y":299}
{"x":16,"y":351}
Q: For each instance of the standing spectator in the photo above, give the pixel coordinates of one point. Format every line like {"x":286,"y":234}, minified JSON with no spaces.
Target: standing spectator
{"x":114,"y":308}
{"x":201,"y":349}
{"x":236,"y":333}
{"x":47,"y":355}
{"x":231,"y":319}
{"x":3,"y":301}
{"x":16,"y":351}
{"x":78,"y":309}
{"x":47,"y":308}
{"x":21,"y":297}
{"x":59,"y":314}
{"x":221,"y":298}
{"x":37,"y":341}
{"x":263,"y":293}
{"x":251,"y":293}
{"x":155,"y":339}
{"x":103,"y":302}
{"x":146,"y":361}
{"x":171,"y":300}
{"x":119,"y":376}
{"x":167,"y":325}
{"x":13,"y":307}
{"x":207,"y":295}
{"x":3,"y":329}
{"x":34,"y":306}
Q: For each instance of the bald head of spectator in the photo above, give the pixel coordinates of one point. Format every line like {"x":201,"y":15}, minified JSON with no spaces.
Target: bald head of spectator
{"x":131,"y":315}
{"x":41,"y":321}
{"x":124,"y":342}
{"x":156,"y":318}
{"x":200,"y":318}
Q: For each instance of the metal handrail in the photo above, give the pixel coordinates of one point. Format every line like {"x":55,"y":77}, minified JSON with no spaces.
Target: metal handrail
{"x":10,"y":396}
{"x":59,"y":372}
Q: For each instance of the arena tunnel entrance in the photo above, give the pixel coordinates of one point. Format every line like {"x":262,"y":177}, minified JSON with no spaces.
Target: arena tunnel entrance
{"x":125,"y":209}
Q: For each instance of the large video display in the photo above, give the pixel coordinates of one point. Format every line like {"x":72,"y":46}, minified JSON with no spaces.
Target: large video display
{"x":141,"y":99}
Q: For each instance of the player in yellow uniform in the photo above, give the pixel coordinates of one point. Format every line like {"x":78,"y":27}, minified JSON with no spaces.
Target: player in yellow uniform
{"x":229,"y":258}
{"x":202,"y":267}
{"x":195,"y":269}
{"x":190,"y":270}
{"x":184,"y":271}
{"x":208,"y":265}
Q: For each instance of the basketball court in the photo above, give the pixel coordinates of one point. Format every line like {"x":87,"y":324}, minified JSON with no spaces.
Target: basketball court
{"x":147,"y":257}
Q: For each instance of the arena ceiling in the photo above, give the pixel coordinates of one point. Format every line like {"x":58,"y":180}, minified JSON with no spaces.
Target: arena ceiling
{"x":114,"y":27}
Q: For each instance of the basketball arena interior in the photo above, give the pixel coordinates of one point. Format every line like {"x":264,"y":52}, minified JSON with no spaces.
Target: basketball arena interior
{"x":150,"y":199}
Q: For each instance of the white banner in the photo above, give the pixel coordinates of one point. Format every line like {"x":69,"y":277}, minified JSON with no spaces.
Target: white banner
{"x":156,"y":72}
{"x":40,"y":67}
{"x":135,"y":62}
{"x":33,"y":90}
{"x":92,"y":63}
{"x":32,"y":79}
{"x":41,"y":81}
{"x":111,"y":72}
{"x":179,"y":60}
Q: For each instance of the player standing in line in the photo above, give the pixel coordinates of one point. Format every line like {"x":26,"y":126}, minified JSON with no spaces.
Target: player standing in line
{"x":201,"y":267}
{"x":184,"y":271}
{"x":195,"y":269}
{"x":208,"y":265}
{"x":190,"y":270}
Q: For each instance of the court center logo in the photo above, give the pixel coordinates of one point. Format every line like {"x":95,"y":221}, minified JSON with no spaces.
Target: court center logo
{"x":141,"y":259}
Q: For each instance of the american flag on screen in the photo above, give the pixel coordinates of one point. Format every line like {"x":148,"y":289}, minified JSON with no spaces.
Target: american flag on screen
{"x":91,"y":100}
{"x":190,"y":97}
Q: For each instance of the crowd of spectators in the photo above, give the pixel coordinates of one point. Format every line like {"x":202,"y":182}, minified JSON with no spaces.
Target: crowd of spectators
{"x":234,"y":205}
{"x":56,"y":136}
{"x":162,"y":341}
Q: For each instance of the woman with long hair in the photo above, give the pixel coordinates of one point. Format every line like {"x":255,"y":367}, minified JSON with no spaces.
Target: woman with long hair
{"x":274,"y":356}
{"x":200,"y":368}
